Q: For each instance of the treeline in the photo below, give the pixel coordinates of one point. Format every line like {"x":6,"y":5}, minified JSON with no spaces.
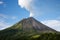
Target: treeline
{"x":42,"y":36}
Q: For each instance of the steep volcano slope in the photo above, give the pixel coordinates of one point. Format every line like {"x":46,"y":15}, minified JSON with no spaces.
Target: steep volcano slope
{"x":26,"y":27}
{"x":30,"y":25}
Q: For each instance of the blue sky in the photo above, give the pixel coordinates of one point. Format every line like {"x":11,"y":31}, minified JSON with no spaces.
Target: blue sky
{"x":45,"y":11}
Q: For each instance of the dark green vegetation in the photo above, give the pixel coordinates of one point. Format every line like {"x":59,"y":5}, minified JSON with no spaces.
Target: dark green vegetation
{"x":26,"y":36}
{"x":29,"y":29}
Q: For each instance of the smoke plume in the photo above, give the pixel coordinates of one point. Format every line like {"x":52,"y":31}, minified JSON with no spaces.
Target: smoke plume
{"x":27,"y":4}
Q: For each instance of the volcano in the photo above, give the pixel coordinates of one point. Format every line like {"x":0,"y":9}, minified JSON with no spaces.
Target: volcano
{"x":31,"y":25}
{"x":26,"y":26}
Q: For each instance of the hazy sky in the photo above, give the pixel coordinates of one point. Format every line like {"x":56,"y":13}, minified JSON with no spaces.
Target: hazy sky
{"x":45,"y":11}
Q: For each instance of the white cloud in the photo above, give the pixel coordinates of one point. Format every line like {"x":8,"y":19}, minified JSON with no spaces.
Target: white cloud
{"x":55,"y":24}
{"x":13,"y":17}
{"x":3,"y":24}
{"x":3,"y":16}
{"x":1,"y":2}
{"x":4,"y":21}
{"x":27,"y":4}
{"x":31,"y":14}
